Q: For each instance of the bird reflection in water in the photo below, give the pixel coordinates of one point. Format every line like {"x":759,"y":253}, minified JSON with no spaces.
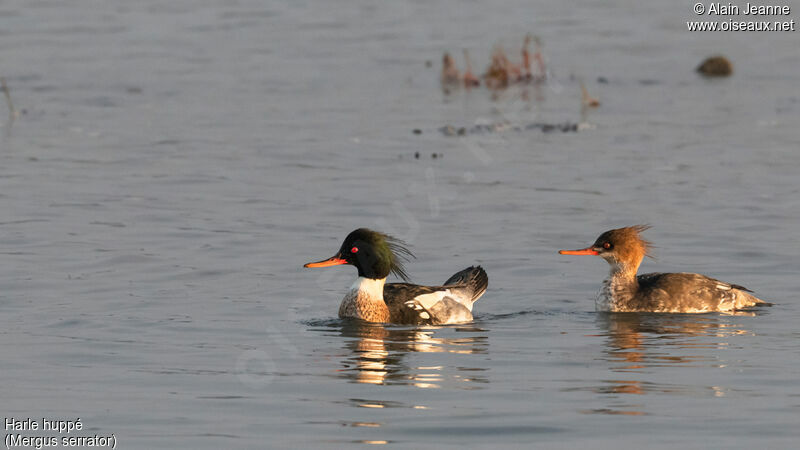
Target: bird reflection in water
{"x":376,"y":354}
{"x":641,"y":343}
{"x":648,"y":340}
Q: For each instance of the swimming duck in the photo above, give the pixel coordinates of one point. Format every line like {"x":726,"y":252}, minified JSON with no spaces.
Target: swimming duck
{"x":624,"y":291}
{"x":370,"y":298}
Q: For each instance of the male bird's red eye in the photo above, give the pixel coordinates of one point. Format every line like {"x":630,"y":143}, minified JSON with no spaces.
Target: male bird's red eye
{"x":607,"y":245}
{"x":354,"y":250}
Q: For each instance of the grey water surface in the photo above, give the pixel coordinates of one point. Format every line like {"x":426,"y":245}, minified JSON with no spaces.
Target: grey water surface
{"x":174,"y":163}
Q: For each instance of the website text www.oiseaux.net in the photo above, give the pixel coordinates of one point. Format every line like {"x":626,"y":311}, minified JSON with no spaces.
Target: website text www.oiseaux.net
{"x":730,"y":13}
{"x":738,"y":25}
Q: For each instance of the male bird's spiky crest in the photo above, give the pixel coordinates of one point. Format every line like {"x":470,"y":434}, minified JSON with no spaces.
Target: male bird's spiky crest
{"x":400,"y":254}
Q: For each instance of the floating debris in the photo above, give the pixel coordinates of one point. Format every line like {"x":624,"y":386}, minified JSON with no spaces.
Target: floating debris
{"x":502,"y":127}
{"x":452,"y":78}
{"x":450,"y":74}
{"x":649,"y":82}
{"x":470,"y":80}
{"x":527,"y":74}
{"x":12,"y":112}
{"x":539,"y":58}
{"x":417,"y":131}
{"x":716,"y":66}
{"x":417,"y":155}
{"x":501,"y":73}
{"x":526,"y":59}
{"x":498,"y":75}
{"x":586,"y":100}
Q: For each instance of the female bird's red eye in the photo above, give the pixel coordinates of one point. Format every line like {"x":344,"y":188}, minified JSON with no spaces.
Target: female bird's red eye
{"x":354,"y":250}
{"x":607,"y":245}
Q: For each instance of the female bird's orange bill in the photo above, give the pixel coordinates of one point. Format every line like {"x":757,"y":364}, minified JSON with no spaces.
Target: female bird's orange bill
{"x":334,"y":261}
{"x":584,"y":251}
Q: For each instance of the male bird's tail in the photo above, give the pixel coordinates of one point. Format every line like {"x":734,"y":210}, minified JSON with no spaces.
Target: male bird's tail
{"x":469,"y":284}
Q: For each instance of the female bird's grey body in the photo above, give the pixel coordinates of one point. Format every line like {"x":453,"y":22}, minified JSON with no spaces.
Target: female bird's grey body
{"x":673,"y":292}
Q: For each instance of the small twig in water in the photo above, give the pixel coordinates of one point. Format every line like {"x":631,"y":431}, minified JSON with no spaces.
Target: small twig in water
{"x":587,"y":100}
{"x":7,"y":93}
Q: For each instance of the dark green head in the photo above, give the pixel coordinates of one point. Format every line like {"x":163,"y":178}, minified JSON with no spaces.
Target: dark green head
{"x":374,"y":254}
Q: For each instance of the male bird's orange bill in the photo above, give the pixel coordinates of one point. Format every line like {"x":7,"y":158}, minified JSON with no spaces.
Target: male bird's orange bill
{"x":334,"y":261}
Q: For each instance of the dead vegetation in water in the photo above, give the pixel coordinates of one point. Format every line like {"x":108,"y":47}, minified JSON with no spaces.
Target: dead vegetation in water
{"x":12,"y":112}
{"x":502,"y":71}
{"x":587,"y":101}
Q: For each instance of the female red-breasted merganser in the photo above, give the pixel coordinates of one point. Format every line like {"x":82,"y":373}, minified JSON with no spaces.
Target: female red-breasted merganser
{"x":376,"y":255}
{"x":624,"y":291}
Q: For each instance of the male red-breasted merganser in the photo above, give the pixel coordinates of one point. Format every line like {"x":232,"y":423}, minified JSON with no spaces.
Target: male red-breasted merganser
{"x":376,"y":255}
{"x":624,"y":291}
